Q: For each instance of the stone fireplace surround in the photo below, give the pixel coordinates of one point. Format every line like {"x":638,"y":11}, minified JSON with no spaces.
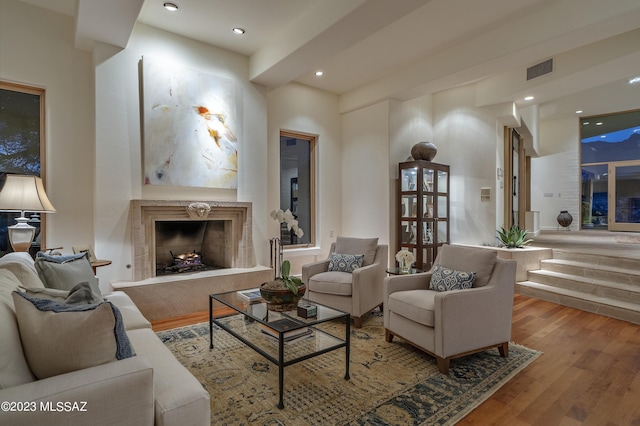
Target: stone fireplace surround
{"x":145,"y":214}
{"x":180,"y":294}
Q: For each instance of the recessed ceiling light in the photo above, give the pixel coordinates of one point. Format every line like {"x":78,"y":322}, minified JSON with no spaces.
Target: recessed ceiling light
{"x":319,"y":73}
{"x":634,"y":80}
{"x":579,"y":111}
{"x":238,"y":30}
{"x":170,"y":6}
{"x":585,"y":123}
{"x":529,"y":98}
{"x":599,"y":123}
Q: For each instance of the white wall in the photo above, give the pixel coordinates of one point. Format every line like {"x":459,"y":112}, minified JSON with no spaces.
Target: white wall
{"x":36,"y":49}
{"x":365,"y":173}
{"x":119,"y":171}
{"x":410,"y":122}
{"x":468,"y":138}
{"x":302,"y":109}
{"x":555,"y":175}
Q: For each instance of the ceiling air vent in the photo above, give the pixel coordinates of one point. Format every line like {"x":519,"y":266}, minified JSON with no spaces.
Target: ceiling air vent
{"x":540,"y":69}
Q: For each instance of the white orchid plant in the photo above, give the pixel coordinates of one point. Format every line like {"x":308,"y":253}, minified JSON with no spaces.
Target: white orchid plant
{"x":287,"y":217}
{"x":405,"y":257}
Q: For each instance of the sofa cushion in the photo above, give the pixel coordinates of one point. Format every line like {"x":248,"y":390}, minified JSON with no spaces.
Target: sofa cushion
{"x":59,"y":338}
{"x":131,"y":315}
{"x":14,"y":369}
{"x":332,"y":282}
{"x":64,"y":272}
{"x":365,"y":246}
{"x":480,"y":261}
{"x":22,"y":266}
{"x":416,"y":305}
{"x":445,"y":279}
{"x":81,"y":294}
{"x":345,"y":262}
{"x":180,"y":399}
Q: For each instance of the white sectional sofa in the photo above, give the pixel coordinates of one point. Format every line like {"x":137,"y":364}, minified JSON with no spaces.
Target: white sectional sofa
{"x":150,"y":388}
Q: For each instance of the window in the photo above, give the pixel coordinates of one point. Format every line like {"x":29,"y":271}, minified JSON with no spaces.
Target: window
{"x":21,"y":146}
{"x":610,"y":186}
{"x":297,"y":185}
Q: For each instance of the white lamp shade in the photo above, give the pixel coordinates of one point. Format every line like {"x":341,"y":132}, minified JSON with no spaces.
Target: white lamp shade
{"x":24,"y":193}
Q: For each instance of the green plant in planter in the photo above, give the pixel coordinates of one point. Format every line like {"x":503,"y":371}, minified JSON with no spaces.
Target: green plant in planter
{"x":289,"y":281}
{"x":514,"y":237}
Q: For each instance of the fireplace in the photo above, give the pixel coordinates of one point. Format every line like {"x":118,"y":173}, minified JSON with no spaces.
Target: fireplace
{"x":218,"y":231}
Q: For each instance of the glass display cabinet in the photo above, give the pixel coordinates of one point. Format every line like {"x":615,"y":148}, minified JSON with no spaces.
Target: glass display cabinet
{"x":423,"y":210}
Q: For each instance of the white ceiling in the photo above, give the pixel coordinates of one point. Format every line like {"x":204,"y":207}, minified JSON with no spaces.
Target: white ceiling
{"x":371,"y":50}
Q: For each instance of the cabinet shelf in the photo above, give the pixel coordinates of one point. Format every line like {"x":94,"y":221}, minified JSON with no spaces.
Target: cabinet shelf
{"x":423,"y":209}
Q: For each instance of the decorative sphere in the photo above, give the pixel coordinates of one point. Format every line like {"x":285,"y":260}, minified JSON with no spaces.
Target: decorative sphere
{"x":424,"y":151}
{"x":564,"y":219}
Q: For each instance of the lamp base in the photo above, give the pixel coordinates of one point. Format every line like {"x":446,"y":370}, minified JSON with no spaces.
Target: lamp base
{"x":21,"y":234}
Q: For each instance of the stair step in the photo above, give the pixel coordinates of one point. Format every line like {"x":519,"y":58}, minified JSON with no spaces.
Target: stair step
{"x":607,"y":306}
{"x":593,"y":286}
{"x":593,"y":272}
{"x":627,"y":263}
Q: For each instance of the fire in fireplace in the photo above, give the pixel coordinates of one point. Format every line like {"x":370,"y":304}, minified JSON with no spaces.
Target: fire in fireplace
{"x":185,"y":262}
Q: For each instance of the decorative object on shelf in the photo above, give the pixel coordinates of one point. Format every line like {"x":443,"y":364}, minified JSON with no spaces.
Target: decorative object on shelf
{"x":514,"y":237}
{"x":284,"y":292}
{"x":424,"y":151}
{"x":564,"y":219}
{"x":23,"y":193}
{"x":405,"y":259}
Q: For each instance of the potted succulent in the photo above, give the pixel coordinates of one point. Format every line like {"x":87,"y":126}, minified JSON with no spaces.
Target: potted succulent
{"x":514,"y":237}
{"x":284,"y":292}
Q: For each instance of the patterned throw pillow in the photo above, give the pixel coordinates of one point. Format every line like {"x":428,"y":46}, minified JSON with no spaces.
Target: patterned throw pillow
{"x":445,"y":279}
{"x":345,"y":262}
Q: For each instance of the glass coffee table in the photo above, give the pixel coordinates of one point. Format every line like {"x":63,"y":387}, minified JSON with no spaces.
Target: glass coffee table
{"x":284,"y":338}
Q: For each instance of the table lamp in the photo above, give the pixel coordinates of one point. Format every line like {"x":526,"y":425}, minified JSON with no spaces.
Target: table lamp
{"x":22,"y":193}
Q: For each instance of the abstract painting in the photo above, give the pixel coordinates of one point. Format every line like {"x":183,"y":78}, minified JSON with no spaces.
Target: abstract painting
{"x":191,"y":127}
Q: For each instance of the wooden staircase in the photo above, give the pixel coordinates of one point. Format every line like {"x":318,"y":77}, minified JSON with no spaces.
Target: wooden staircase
{"x":602,"y":284}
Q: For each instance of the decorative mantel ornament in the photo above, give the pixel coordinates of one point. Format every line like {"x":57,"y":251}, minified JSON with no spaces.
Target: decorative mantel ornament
{"x":198,"y":210}
{"x":424,"y":151}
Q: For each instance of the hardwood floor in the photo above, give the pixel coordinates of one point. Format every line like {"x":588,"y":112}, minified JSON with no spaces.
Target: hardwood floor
{"x":589,"y":373}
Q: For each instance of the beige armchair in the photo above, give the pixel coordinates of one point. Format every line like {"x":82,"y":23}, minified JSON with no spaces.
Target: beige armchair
{"x":452,"y":324}
{"x":356,"y":292}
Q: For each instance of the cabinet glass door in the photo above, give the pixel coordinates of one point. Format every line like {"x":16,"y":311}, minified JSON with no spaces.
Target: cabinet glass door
{"x":427,"y":180}
{"x":409,"y":179}
{"x":442,"y":181}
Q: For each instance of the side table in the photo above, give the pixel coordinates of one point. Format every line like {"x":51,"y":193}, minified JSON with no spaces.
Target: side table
{"x":98,"y":263}
{"x":396,"y":271}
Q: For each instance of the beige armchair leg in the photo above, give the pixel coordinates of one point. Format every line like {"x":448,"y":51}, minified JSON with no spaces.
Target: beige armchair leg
{"x":504,"y":349}
{"x":443,"y":364}
{"x":357,"y":322}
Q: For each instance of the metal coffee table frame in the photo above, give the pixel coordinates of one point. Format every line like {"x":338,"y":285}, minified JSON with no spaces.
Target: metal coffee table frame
{"x":255,"y":314}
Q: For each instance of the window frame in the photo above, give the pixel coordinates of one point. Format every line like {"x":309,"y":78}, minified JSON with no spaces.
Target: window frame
{"x":41,"y":93}
{"x":312,"y":139}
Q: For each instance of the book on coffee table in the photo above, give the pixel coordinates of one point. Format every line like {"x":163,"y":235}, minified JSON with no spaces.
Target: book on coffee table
{"x":252,"y":295}
{"x":285,"y":324}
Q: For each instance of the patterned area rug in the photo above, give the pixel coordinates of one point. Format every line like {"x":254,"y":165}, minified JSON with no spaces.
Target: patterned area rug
{"x":391,"y":383}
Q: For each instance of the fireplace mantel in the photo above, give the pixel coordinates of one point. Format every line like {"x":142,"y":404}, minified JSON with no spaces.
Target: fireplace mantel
{"x":145,"y":213}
